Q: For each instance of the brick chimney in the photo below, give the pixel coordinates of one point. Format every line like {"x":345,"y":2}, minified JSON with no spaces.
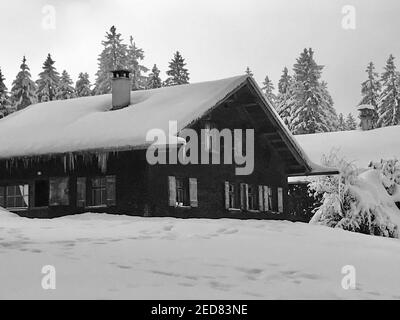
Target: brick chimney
{"x":366,"y":115}
{"x":121,"y":89}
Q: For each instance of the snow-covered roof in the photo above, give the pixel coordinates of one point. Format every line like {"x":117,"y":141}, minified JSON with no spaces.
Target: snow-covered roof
{"x":87,"y":124}
{"x":356,"y":146}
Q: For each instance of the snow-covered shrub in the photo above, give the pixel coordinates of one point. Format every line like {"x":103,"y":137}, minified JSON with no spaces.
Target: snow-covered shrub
{"x":359,"y":200}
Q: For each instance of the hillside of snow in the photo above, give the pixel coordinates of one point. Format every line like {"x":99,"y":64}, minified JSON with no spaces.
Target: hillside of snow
{"x":103,"y":256}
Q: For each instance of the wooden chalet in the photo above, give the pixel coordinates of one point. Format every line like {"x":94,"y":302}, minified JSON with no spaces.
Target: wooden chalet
{"x":89,"y":154}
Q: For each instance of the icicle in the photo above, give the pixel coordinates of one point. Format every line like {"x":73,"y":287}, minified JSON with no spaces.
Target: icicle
{"x":102,"y":158}
{"x":65,"y":163}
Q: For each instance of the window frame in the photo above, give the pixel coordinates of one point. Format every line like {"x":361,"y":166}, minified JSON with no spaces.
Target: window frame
{"x":106,"y":188}
{"x":25,"y":196}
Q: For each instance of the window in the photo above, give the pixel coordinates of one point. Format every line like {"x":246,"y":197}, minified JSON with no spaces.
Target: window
{"x":231,"y":196}
{"x":182,"y":192}
{"x":16,"y":196}
{"x":271,"y":206}
{"x":252,"y":197}
{"x":111,"y":190}
{"x":59,"y":192}
{"x":103,"y":191}
{"x":99,"y":191}
{"x":81,"y":192}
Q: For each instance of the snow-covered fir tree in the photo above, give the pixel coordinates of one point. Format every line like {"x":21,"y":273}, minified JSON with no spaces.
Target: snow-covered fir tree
{"x":346,"y":200}
{"x":4,"y":97}
{"x":370,"y":90}
{"x":134,"y":57}
{"x":154,"y":81}
{"x":351,"y":123}
{"x":313,"y":106}
{"x":284,"y":100}
{"x":177,"y":73}
{"x":65,"y":89}
{"x":113,"y":56}
{"x":47,"y":84}
{"x":268,"y":89}
{"x":249,"y":72}
{"x":389,"y":99}
{"x":342,"y":126}
{"x":82,"y":86}
{"x":23,"y":91}
{"x":284,"y":82}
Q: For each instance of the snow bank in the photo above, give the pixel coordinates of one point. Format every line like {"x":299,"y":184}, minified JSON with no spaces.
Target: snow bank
{"x":100,"y":256}
{"x":5,"y":214}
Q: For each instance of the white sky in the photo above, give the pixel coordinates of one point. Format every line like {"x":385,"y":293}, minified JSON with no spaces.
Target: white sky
{"x":218,"y":38}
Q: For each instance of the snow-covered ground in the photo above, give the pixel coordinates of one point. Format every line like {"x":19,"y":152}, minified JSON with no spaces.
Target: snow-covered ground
{"x":104,"y":256}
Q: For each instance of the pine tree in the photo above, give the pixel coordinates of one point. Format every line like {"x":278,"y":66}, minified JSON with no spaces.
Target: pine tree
{"x":249,"y":72}
{"x":342,"y":126}
{"x":65,"y":89}
{"x":326,"y":104}
{"x":113,"y":57}
{"x":268,"y":89}
{"x":23,"y":91}
{"x":134,"y":56}
{"x":177,"y":72}
{"x":4,"y":97}
{"x":370,"y":90}
{"x":351,"y":122}
{"x":82,"y":86}
{"x":47,"y":84}
{"x":313,"y":106}
{"x":389,"y":99}
{"x":285,"y":101}
{"x":284,"y":82}
{"x":154,"y":81}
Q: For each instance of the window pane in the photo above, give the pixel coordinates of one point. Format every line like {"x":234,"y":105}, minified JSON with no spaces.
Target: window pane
{"x":99,"y":191}
{"x":182,"y":191}
{"x":271,"y":207}
{"x":17,"y":196}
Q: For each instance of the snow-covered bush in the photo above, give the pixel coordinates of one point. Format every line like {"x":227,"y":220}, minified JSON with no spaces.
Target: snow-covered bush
{"x":359,"y":200}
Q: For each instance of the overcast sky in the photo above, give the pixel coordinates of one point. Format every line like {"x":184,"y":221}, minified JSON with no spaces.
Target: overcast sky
{"x":218,"y":38}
